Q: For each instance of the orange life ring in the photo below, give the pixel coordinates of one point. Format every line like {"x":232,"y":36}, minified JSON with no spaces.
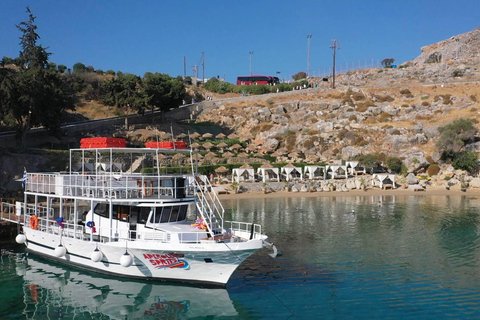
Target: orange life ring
{"x":33,"y":222}
{"x":34,"y":292}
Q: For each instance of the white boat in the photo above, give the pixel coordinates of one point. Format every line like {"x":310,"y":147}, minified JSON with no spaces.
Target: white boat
{"x":47,"y":286}
{"x":102,"y":215}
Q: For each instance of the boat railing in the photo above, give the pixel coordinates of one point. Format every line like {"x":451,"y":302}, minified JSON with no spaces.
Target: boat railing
{"x":11,"y":212}
{"x":110,"y":185}
{"x":244,"y":229}
{"x":51,"y":226}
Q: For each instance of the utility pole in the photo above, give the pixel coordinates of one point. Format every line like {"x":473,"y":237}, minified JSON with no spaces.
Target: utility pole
{"x":308,"y":68}
{"x":203,"y":66}
{"x":334,"y":47}
{"x":184,"y":67}
{"x":251,"y":54}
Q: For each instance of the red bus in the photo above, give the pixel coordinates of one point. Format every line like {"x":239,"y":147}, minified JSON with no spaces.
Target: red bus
{"x":249,"y":80}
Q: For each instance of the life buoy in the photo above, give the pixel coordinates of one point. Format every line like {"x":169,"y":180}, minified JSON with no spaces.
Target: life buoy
{"x":33,"y":222}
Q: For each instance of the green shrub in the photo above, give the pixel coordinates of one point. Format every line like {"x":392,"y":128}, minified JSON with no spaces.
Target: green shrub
{"x":394,"y":164}
{"x":454,"y":135}
{"x":433,"y":170}
{"x":466,"y":160}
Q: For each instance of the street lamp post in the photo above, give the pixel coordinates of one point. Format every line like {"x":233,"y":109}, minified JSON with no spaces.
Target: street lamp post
{"x":308,"y":68}
{"x":251,"y":54}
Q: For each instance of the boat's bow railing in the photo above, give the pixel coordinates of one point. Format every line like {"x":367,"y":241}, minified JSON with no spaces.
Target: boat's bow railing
{"x":209,"y":204}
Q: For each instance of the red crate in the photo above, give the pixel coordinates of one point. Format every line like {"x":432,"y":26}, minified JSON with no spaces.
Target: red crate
{"x":102,"y":142}
{"x":167,"y":145}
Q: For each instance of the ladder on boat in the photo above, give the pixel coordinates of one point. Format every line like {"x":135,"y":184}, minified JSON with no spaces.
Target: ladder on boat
{"x":209,"y":205}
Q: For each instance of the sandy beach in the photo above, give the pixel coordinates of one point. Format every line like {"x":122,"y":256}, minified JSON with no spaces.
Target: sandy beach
{"x":352,"y":193}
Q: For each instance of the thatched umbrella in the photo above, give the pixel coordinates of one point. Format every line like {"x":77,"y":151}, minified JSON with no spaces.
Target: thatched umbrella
{"x":211,"y":155}
{"x":266,"y":165}
{"x":208,"y":145}
{"x":236,"y":147}
{"x":221,"y":169}
{"x":220,"y":136}
{"x":251,"y":147}
{"x":178,"y":156}
{"x":195,"y":145}
{"x":181,"y":136}
{"x":222,"y":173}
{"x":243,"y":155}
{"x":227,"y":154}
{"x":207,"y":135}
{"x":232,"y":136}
{"x":222,"y":145}
{"x":194,"y":135}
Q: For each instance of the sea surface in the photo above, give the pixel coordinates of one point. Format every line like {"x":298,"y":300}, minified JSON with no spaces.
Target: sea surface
{"x":357,"y":257}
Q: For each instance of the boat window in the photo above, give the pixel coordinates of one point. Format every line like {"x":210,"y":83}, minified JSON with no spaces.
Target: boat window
{"x":174,"y":214}
{"x":122,"y":212}
{"x":156,"y":214}
{"x":102,"y":210}
{"x":183,"y":213}
{"x":165,"y":214}
{"x":143,"y":214}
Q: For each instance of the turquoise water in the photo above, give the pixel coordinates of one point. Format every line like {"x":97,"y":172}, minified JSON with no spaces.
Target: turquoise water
{"x":408,"y":257}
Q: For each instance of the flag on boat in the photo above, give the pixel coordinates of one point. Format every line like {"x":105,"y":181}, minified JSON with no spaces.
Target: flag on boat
{"x":25,"y":178}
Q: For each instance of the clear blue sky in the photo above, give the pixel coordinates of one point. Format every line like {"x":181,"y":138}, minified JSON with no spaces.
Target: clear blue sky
{"x":141,"y":36}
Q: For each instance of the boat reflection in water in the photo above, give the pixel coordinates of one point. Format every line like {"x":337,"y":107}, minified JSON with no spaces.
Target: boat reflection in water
{"x":52,"y":291}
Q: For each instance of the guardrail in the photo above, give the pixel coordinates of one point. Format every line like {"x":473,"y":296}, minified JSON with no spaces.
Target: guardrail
{"x":117,"y":185}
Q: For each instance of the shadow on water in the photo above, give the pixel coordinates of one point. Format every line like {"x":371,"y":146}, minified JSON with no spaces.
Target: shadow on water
{"x":44,"y":290}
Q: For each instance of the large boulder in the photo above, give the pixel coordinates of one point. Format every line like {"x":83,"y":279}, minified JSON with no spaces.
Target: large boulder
{"x":350,"y":153}
{"x":474,"y":183}
{"x":276,"y":118}
{"x":412,"y":179}
{"x":416,"y":161}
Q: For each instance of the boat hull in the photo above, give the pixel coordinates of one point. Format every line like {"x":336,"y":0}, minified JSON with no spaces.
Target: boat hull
{"x":210,"y":263}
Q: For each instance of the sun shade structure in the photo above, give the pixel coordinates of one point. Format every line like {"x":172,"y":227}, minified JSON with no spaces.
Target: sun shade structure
{"x":227,"y":154}
{"x":268,"y":173}
{"x":181,"y":136}
{"x":232,"y":136}
{"x":292,"y":172}
{"x":207,"y":135}
{"x":222,"y":145}
{"x":244,"y":173}
{"x":354,"y":169}
{"x":383,"y":180}
{"x":194,"y":135}
{"x":221,"y":169}
{"x":220,"y":136}
{"x":208,"y":145}
{"x":195,"y":145}
{"x":315,"y":172}
{"x":236,"y":147}
{"x":339,"y":172}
